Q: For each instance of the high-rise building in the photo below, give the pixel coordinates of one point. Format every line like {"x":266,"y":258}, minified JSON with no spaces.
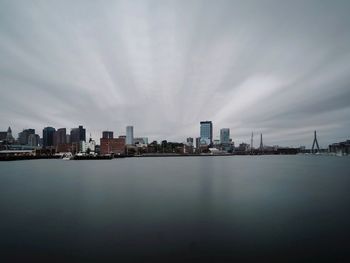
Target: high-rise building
{"x":225,"y":136}
{"x":23,"y":136}
{"x":33,"y":140}
{"x":48,"y":135}
{"x":107,"y":135}
{"x":77,"y":134}
{"x":206,"y":132}
{"x":60,"y":136}
{"x":129,"y":135}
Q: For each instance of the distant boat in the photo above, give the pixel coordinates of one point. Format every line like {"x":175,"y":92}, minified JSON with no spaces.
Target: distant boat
{"x":67,"y":156}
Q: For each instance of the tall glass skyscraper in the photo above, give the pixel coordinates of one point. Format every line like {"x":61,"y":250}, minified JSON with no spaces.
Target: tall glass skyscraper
{"x":129,"y":135}
{"x":225,"y":136}
{"x":48,"y":134}
{"x":206,"y":132}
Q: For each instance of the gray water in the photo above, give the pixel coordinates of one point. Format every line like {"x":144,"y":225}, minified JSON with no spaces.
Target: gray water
{"x":196,"y":209}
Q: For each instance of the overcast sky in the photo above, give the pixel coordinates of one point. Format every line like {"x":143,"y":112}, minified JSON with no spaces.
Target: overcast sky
{"x":277,"y":67}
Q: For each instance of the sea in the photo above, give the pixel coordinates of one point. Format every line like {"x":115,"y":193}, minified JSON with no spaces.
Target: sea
{"x":176,"y":209}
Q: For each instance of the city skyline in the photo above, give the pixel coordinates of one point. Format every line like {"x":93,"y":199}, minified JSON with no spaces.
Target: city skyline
{"x":83,"y":134}
{"x":277,"y":68}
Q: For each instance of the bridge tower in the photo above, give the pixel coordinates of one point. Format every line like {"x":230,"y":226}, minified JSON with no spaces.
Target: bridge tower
{"x":261,"y":143}
{"x":313,"y":144}
{"x":251,"y":143}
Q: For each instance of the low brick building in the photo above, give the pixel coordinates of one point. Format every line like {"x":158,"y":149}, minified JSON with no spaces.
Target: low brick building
{"x":112,"y":146}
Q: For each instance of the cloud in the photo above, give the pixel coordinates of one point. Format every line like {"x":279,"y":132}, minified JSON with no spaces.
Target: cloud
{"x":277,"y":67}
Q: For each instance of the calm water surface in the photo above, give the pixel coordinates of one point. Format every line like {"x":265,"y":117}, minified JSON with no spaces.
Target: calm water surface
{"x":219,"y":209}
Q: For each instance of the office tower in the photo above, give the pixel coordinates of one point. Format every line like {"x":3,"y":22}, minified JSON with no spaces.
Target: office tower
{"x":48,"y":135}
{"x":33,"y":140}
{"x":198,"y":142}
{"x":206,"y":132}
{"x":225,"y":136}
{"x":60,"y":136}
{"x":107,"y":135}
{"x":67,"y":138}
{"x":77,"y":134}
{"x":129,"y":135}
{"x":23,"y":136}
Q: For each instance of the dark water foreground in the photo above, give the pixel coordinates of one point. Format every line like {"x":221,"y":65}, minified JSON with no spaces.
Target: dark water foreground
{"x":225,"y":209}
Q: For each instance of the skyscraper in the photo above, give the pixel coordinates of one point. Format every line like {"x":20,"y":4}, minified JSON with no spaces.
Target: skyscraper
{"x":60,"y":136}
{"x":48,"y":135}
{"x":206,"y":132}
{"x":129,"y":135}
{"x":23,"y":136}
{"x":78,"y":134}
{"x":225,"y":136}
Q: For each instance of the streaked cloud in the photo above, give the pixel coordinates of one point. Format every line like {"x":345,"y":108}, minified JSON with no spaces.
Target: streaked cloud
{"x":277,"y":67}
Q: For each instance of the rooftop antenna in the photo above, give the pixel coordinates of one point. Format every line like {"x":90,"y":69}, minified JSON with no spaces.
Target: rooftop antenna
{"x":315,"y":142}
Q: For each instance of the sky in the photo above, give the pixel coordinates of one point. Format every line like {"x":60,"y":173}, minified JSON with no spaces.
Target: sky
{"x":280,"y":68}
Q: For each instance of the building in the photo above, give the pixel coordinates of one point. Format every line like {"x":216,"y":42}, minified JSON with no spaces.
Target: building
{"x":112,"y":146}
{"x":243,"y":147}
{"x":206,"y":132}
{"x":189,"y":141}
{"x":129,"y":135}
{"x":3,"y":135}
{"x":77,"y":134}
{"x":23,"y":136}
{"x":33,"y":140}
{"x":87,"y":147}
{"x":198,"y":142}
{"x":139,"y":141}
{"x":225,"y":136}
{"x":60,"y":136}
{"x":48,"y":136}
{"x":68,"y":138}
{"x":107,"y":135}
{"x":340,"y":148}
{"x":9,"y":137}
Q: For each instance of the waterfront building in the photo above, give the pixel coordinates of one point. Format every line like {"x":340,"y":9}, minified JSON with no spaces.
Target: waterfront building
{"x":139,"y":141}
{"x":60,"y":136}
{"x":107,"y":135}
{"x":3,"y":135}
{"x":77,"y":134}
{"x":130,"y":135}
{"x":87,"y":147}
{"x":206,"y":133}
{"x":23,"y":136}
{"x":243,"y":147}
{"x":48,"y":136}
{"x":68,"y":138}
{"x":340,"y":148}
{"x":225,"y":136}
{"x":189,"y":141}
{"x":198,"y":142}
{"x":9,"y":137}
{"x":112,"y":146}
{"x":33,"y":140}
